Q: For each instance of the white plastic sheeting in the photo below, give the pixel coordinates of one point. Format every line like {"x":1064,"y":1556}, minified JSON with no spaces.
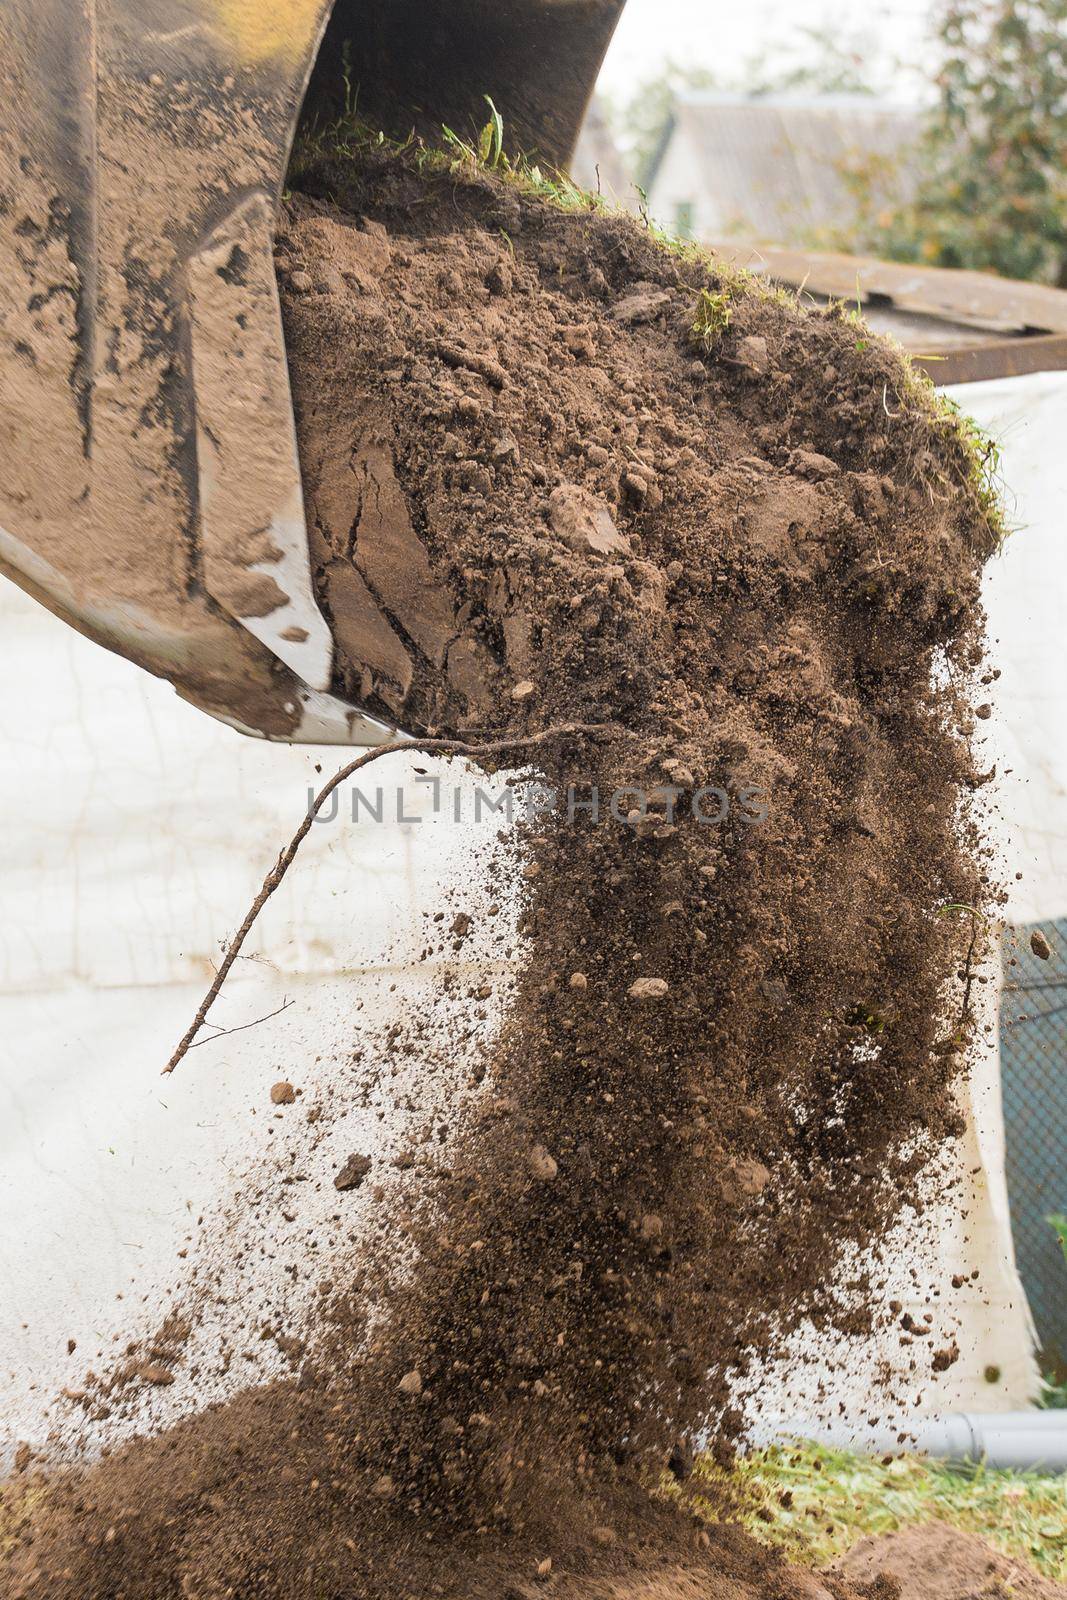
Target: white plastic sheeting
{"x":1026,"y":600}
{"x":136,"y":832}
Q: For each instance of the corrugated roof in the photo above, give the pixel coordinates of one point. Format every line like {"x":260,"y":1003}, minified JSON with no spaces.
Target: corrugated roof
{"x":788,"y":171}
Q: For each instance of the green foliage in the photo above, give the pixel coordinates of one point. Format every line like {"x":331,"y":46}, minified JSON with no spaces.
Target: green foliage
{"x":816,"y":1502}
{"x":1059,"y":1224}
{"x":491,"y":141}
{"x":991,"y":193}
{"x":993,"y":189}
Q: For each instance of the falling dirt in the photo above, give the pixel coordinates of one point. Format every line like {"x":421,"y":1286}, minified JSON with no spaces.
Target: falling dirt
{"x":753,"y":554}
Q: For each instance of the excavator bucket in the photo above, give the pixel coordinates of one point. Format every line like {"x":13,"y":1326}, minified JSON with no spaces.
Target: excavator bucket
{"x":150,"y":488}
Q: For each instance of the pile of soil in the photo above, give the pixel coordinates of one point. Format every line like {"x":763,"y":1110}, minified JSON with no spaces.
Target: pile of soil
{"x":555,"y":473}
{"x":937,"y":1562}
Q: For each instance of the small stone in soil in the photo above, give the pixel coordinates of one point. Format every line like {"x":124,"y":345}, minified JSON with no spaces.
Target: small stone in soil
{"x":648,"y":989}
{"x":1040,"y":945}
{"x":584,"y":522}
{"x":752,"y":353}
{"x":282,"y":1094}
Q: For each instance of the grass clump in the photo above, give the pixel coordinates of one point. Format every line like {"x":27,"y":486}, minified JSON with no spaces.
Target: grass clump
{"x":978,"y":452}
{"x":713,"y":316}
{"x":349,"y":135}
{"x":982,"y":455}
{"x":815,"y":1503}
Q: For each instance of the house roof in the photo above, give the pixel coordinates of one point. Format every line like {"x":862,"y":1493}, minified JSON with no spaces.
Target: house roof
{"x":788,"y":170}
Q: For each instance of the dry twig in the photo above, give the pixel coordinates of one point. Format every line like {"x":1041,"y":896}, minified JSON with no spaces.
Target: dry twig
{"x":224,"y":1033}
{"x":429,"y":747}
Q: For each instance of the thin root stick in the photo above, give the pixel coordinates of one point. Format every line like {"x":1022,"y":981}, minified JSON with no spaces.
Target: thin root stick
{"x":435,"y":747}
{"x":224,"y":1033}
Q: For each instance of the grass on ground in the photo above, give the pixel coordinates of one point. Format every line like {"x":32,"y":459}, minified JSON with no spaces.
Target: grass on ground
{"x":815,"y":1503}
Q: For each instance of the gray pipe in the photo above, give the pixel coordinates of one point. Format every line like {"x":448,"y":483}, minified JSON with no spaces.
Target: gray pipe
{"x":1019,"y":1441}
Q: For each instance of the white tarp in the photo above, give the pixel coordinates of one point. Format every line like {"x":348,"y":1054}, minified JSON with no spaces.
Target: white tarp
{"x":136,"y":832}
{"x":1026,"y":600}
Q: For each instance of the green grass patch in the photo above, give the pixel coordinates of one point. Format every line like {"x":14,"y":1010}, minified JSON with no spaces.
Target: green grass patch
{"x":349,"y":135}
{"x":815,"y":1503}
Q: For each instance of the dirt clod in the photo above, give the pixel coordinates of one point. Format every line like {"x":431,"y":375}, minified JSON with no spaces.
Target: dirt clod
{"x":544,"y":1166}
{"x":353,"y":1172}
{"x":648,"y":989}
{"x":583,"y":521}
{"x":160,"y":1377}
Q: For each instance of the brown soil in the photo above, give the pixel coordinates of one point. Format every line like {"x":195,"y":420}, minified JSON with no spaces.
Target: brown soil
{"x":729,"y":1054}
{"x":936,"y":1562}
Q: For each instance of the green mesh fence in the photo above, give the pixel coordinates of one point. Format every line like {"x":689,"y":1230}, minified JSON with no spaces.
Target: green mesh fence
{"x":1033,"y":1053}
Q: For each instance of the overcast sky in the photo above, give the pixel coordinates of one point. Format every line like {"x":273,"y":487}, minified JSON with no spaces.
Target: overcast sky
{"x":724,"y":35}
